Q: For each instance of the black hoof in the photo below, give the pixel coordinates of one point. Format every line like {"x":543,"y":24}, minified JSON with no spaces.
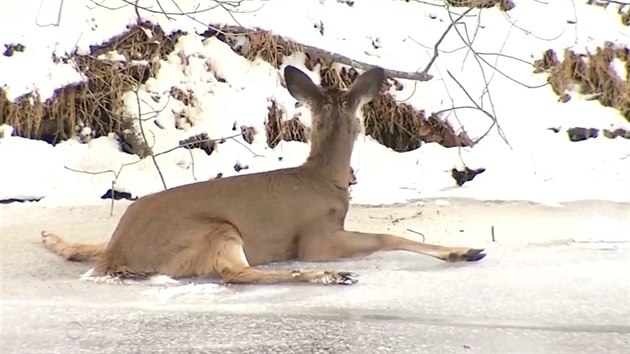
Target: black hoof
{"x":346,"y":278}
{"x":474,"y":255}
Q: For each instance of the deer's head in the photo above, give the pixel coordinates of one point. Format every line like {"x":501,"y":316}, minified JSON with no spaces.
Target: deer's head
{"x":333,"y":108}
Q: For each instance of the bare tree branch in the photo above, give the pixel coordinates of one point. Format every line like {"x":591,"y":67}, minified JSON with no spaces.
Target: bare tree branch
{"x":486,"y":87}
{"x":436,"y":52}
{"x":508,"y":57}
{"x":117,"y":174}
{"x":168,"y":17}
{"x":230,"y":6}
{"x":144,"y":137}
{"x":494,"y":120}
{"x":218,"y":3}
{"x":474,"y":36}
{"x":489,"y":64}
{"x":418,"y":76}
{"x":530,"y":33}
{"x":54,"y":24}
{"x":605,"y":3}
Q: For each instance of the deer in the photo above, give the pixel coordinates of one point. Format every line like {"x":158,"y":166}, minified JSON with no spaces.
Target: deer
{"x":224,"y":228}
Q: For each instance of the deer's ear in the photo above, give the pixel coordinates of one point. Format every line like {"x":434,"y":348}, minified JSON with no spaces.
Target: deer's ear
{"x":365,"y":87}
{"x":300,"y":86}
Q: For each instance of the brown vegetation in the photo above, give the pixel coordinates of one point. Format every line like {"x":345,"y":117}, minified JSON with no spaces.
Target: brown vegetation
{"x":10,"y":49}
{"x":278,"y":129}
{"x":200,"y":141}
{"x":396,"y":125}
{"x":503,"y":5}
{"x":590,"y":74}
{"x":623,"y":8}
{"x":96,"y":102}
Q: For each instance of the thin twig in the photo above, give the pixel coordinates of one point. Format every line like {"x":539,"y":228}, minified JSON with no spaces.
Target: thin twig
{"x":55,"y":24}
{"x":455,"y":108}
{"x":494,"y":67}
{"x":528,"y":32}
{"x":508,"y":57}
{"x":335,"y":57}
{"x":486,"y":88}
{"x":192,"y":164}
{"x":494,"y":120}
{"x":395,"y":220}
{"x":111,"y":204}
{"x":114,"y":180}
{"x":187,"y":145}
{"x":436,"y":51}
{"x":168,"y":17}
{"x":418,"y":233}
{"x":144,"y":137}
{"x":161,"y":11}
{"x":471,"y":41}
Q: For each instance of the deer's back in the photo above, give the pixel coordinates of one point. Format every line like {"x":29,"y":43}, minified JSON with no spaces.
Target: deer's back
{"x":269,"y":209}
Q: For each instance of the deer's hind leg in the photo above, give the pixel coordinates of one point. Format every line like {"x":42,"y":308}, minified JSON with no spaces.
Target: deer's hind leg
{"x":348,"y":244}
{"x":75,"y":252}
{"x":224,"y":257}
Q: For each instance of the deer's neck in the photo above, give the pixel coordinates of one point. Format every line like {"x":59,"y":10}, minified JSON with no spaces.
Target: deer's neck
{"x":331,"y":154}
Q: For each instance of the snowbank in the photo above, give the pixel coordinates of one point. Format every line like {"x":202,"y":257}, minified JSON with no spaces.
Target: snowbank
{"x":538,"y":164}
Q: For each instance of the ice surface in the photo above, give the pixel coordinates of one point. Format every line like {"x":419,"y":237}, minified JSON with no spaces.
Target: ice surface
{"x":601,"y":228}
{"x":535,"y":292}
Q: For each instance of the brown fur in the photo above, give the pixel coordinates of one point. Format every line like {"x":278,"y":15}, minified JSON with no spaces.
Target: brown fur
{"x":225,"y":227}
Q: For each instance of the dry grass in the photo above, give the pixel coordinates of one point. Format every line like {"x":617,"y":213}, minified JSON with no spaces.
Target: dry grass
{"x":248,"y":134}
{"x":623,"y":8}
{"x":10,"y":49}
{"x":396,"y":125}
{"x":401,"y":127}
{"x":590,"y":74}
{"x":187,"y":98}
{"x":257,"y":44}
{"x":268,"y":47}
{"x":278,"y":129}
{"x":97,"y":102}
{"x":200,"y":141}
{"x":503,"y":5}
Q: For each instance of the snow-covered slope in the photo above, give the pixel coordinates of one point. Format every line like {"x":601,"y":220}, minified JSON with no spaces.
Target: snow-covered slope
{"x":538,"y":164}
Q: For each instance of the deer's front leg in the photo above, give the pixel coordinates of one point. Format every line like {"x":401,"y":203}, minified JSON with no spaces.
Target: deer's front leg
{"x":348,"y":244}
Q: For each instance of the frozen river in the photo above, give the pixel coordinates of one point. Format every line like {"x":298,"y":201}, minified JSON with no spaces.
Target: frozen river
{"x":537,"y":291}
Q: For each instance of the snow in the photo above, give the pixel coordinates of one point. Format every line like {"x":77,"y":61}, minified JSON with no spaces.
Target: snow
{"x":603,"y":229}
{"x":161,"y":280}
{"x":231,"y":91}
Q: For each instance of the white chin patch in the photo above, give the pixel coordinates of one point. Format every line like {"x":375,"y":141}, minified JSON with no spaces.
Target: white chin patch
{"x":159,"y":279}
